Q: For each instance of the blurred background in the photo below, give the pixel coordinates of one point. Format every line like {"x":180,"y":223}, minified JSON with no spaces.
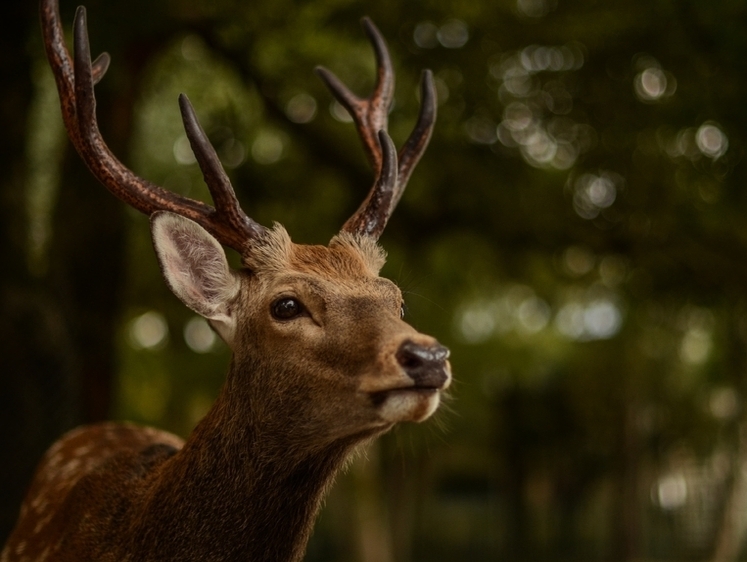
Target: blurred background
{"x":576,"y":234}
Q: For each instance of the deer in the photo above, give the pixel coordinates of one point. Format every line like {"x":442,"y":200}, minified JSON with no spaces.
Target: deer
{"x":322,"y":359}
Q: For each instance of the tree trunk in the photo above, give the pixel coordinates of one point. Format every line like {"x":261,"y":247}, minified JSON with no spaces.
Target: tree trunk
{"x":57,"y":332}
{"x":373,"y":532}
{"x":35,"y":403}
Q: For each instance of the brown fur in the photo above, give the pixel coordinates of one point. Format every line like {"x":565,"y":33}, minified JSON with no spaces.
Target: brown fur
{"x":301,"y":392}
{"x":248,"y":482}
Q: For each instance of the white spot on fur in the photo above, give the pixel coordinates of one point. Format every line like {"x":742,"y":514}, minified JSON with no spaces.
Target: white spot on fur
{"x":82,"y":451}
{"x":70,"y":468}
{"x":42,"y":505}
{"x":54,"y":449}
{"x":72,"y":434}
{"x":164,"y":437}
{"x":41,"y":523}
{"x":56,"y":460}
{"x":37,"y":502}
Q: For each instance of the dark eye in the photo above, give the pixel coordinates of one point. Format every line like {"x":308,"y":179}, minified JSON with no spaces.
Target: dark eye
{"x":286,"y":308}
{"x":402,"y":310}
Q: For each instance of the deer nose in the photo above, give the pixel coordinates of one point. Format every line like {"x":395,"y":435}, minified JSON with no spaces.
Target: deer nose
{"x":426,"y":365}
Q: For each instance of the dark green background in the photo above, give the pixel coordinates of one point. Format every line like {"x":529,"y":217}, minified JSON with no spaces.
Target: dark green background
{"x":576,"y":233}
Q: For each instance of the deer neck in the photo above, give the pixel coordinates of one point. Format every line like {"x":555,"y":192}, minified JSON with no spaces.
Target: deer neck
{"x":238,"y":490}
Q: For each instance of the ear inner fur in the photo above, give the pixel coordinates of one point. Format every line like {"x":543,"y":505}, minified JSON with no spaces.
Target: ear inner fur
{"x":194,"y":265}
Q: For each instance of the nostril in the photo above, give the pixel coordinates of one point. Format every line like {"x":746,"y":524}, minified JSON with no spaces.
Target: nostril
{"x":426,"y":365}
{"x":408,"y":360}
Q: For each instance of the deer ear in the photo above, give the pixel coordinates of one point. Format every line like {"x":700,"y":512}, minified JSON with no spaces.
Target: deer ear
{"x":195,"y":268}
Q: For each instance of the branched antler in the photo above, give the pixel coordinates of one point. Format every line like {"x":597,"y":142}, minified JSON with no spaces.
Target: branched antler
{"x":229,"y":224}
{"x":75,"y":83}
{"x":371,"y":116}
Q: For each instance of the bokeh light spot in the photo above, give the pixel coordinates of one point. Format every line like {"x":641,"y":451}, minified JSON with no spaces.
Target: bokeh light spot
{"x":593,"y":193}
{"x":183,"y":151}
{"x":339,"y":113}
{"x":301,"y":108}
{"x":711,"y":140}
{"x":535,"y":8}
{"x":267,"y":147}
{"x":453,"y":34}
{"x":671,"y":491}
{"x":425,"y":35}
{"x":148,"y":331}
{"x":199,"y":336}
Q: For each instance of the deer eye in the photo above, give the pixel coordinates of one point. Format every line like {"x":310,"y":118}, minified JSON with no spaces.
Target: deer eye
{"x":286,"y":308}
{"x":402,"y":310}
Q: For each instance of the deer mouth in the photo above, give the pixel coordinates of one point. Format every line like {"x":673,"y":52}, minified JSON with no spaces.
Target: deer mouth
{"x":379,"y":397}
{"x":409,"y":403}
{"x":418,"y":398}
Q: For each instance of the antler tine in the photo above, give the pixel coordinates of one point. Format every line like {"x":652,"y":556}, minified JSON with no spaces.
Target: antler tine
{"x":373,"y":214}
{"x":137,"y":192}
{"x":59,"y":60}
{"x":371,"y":118}
{"x":370,"y":114}
{"x":417,"y":142}
{"x":99,"y":67}
{"x":215,"y":176}
{"x":75,"y":82}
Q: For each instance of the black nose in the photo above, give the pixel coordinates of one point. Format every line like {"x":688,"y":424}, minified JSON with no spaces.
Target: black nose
{"x":426,"y":365}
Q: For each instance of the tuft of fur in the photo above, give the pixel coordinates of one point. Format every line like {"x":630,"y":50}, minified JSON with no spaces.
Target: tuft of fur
{"x":371,"y":253}
{"x":272,"y":254}
{"x":347,"y":255}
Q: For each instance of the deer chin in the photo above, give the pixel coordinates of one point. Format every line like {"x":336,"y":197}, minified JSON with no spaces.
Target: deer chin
{"x":413,"y":404}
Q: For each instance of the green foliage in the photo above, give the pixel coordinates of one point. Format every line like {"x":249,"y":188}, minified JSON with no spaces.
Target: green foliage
{"x":575,"y":234}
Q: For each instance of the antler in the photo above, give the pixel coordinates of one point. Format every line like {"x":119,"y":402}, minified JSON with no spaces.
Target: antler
{"x":75,"y":83}
{"x":371,"y":118}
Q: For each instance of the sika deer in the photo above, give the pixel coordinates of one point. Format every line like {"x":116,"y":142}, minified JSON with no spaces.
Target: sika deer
{"x":322,"y":360}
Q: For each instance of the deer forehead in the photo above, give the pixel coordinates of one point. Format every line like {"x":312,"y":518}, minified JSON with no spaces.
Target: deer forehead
{"x":348,"y":267}
{"x":347,"y":256}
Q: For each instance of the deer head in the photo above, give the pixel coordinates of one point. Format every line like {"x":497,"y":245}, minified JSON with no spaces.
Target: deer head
{"x":322,"y":315}
{"x":322,"y":358}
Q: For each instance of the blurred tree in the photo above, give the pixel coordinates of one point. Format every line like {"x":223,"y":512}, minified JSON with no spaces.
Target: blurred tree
{"x":575,"y":233}
{"x":61,"y":289}
{"x":32,"y":343}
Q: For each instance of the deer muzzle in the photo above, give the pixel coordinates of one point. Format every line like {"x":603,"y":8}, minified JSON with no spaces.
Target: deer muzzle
{"x":426,"y":365}
{"x":414,"y":395}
